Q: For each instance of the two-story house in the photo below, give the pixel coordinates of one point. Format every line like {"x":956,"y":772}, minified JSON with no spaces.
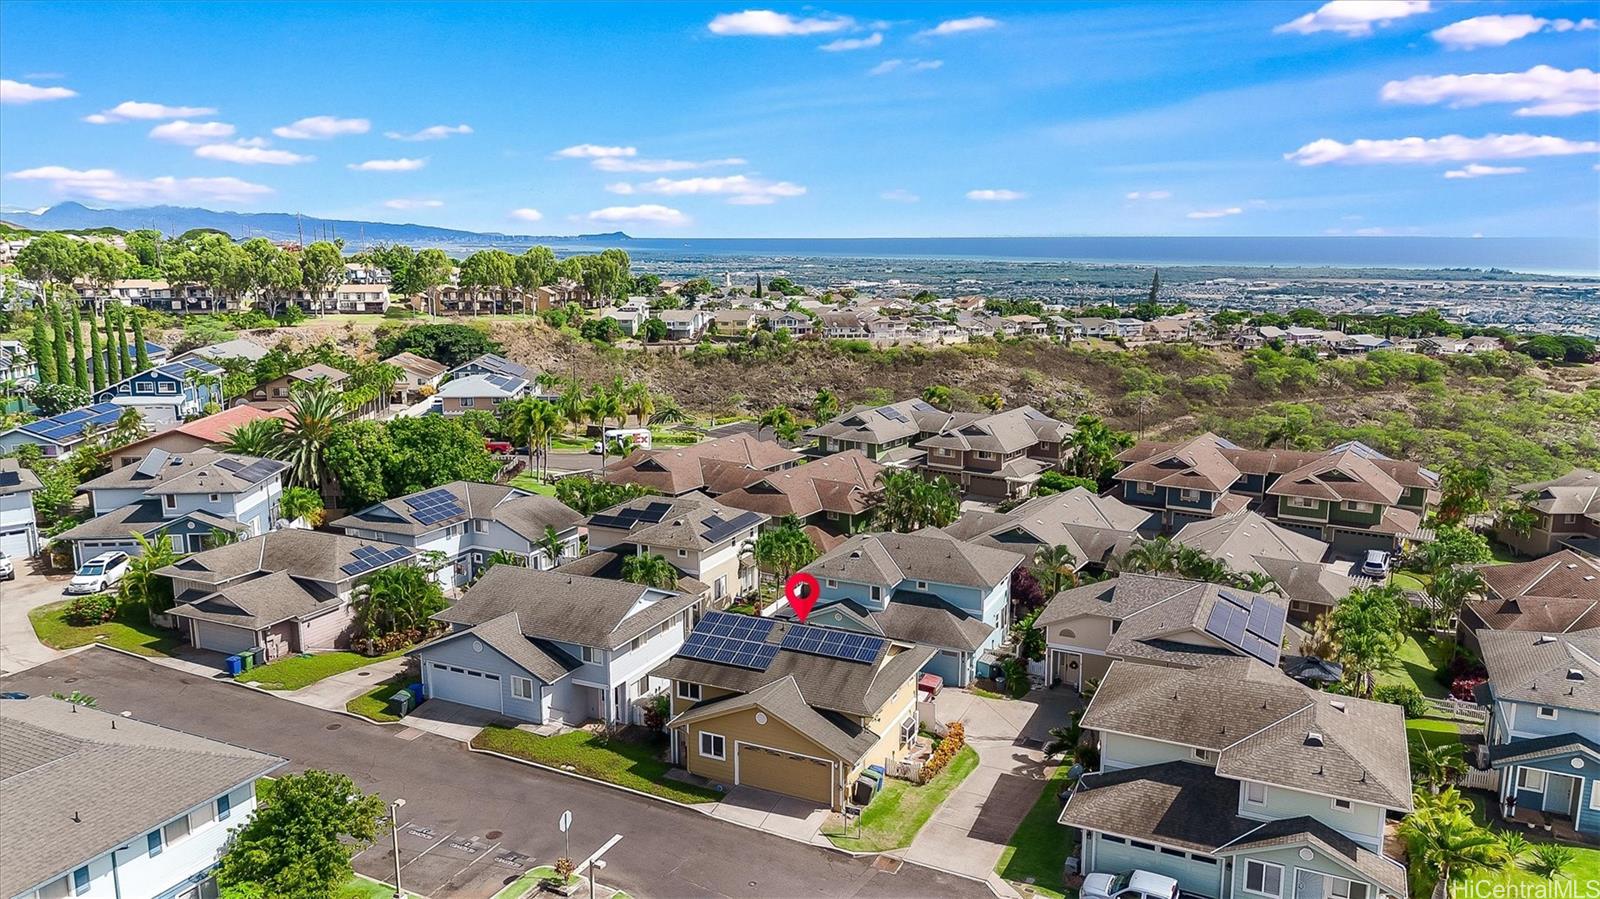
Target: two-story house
{"x":998,"y":456}
{"x":485,"y":393}
{"x":1558,"y":594}
{"x":417,"y":374}
{"x":1543,"y":731}
{"x":1094,"y":528}
{"x":58,"y":435}
{"x":885,"y":433}
{"x":795,"y":709}
{"x":713,"y":467}
{"x":189,"y":497}
{"x":926,"y":588}
{"x":284,"y":592}
{"x":97,"y":804}
{"x":835,"y":494}
{"x":278,"y":392}
{"x":169,"y":392}
{"x":1239,"y":782}
{"x":17,"y":364}
{"x":467,"y":523}
{"x":699,"y":536}
{"x":19,"y":528}
{"x":684,"y":324}
{"x":1566,"y":513}
{"x":557,"y":648}
{"x":493,"y":364}
{"x":1250,"y":544}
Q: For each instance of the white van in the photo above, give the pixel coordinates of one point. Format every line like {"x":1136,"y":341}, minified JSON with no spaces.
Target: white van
{"x":639,"y":439}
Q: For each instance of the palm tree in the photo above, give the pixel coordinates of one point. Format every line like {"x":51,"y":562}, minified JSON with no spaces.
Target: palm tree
{"x":780,"y":420}
{"x":668,"y":413}
{"x":1095,"y":447}
{"x":1548,"y":861}
{"x":1445,"y":841}
{"x":910,"y":501}
{"x":130,"y":426}
{"x":1518,"y":516}
{"x":636,"y":398}
{"x":314,"y":411}
{"x":551,"y":544}
{"x":572,"y":406}
{"x":1197,"y":566}
{"x":1156,"y":556}
{"x":993,"y":401}
{"x":1256,"y":582}
{"x":261,"y":438}
{"x":1449,"y":591}
{"x":1058,"y":567}
{"x":649,"y":570}
{"x":1515,"y":846}
{"x":784,"y":548}
{"x":1437,"y":767}
{"x":530,"y":421}
{"x":938,"y":396}
{"x":301,"y":503}
{"x":603,"y":405}
{"x":825,"y":406}
{"x":141,"y":586}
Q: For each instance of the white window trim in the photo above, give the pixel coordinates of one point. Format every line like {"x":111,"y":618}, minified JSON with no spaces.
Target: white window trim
{"x":704,"y":736}
{"x":520,"y":685}
{"x":1594,"y":799}
{"x":1343,"y":805}
{"x":1540,"y":713}
{"x":1244,"y":883}
{"x":1189,"y":495}
{"x":1144,"y":487}
{"x":1351,"y":505}
{"x":1301,"y":502}
{"x":688,"y":691}
{"x":589,"y":655}
{"x":1204,"y":755}
{"x":1249,"y":784}
{"x":1523,"y":778}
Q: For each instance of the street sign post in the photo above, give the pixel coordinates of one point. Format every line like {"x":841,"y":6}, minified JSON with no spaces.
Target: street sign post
{"x":565,"y":823}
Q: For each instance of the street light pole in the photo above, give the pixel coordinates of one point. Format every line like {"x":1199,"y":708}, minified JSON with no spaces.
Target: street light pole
{"x":595,"y":862}
{"x":394,"y":819}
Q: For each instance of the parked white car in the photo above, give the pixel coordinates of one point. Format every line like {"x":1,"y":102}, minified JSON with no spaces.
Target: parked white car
{"x":1376,"y":563}
{"x":1129,"y":885}
{"x":99,"y":573}
{"x":8,"y":569}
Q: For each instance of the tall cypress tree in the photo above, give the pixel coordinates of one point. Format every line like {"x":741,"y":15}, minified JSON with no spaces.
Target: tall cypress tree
{"x":58,"y":324}
{"x":44,"y":355}
{"x":97,"y":356}
{"x":124,"y":364}
{"x":113,"y":369}
{"x":141,"y":355}
{"x":1155,"y":286}
{"x":80,"y":364}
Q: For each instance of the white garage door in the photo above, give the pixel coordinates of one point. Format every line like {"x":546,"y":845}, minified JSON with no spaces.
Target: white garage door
{"x":15,"y":544}
{"x":451,"y":683}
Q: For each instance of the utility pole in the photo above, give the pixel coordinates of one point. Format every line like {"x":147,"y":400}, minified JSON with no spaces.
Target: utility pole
{"x":394,"y":819}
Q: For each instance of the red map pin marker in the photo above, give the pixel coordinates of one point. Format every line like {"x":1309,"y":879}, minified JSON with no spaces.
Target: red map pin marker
{"x":802,"y":591}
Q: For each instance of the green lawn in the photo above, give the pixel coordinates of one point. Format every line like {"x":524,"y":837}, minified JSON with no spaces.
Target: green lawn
{"x":625,"y":764}
{"x":1416,"y":665}
{"x":1432,"y":731}
{"x":529,"y":882}
{"x":893,"y":817}
{"x":294,"y":672}
{"x":1516,"y":882}
{"x":374,"y":704}
{"x":1409,"y":580}
{"x":528,"y":482}
{"x":132,"y":632}
{"x":362,"y":888}
{"x":1035,"y":853}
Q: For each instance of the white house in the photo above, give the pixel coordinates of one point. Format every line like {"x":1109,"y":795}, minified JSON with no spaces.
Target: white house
{"x":97,"y":804}
{"x":19,"y":530}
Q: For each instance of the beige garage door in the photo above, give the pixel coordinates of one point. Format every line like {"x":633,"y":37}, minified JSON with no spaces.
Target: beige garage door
{"x":782,"y":772}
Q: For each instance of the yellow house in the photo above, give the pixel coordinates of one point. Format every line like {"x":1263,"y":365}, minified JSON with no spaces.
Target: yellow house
{"x":795,"y":709}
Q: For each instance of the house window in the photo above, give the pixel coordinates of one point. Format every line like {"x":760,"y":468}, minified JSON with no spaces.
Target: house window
{"x":468,"y":402}
{"x":1205,"y":755}
{"x":1263,"y":878}
{"x":1189,"y":496}
{"x":480,"y":526}
{"x":1354,"y":506}
{"x":1255,"y":793}
{"x":713,"y":746}
{"x":719,"y":587}
{"x":80,"y":881}
{"x":153,"y":844}
{"x":832,"y":583}
{"x":1144,"y":487}
{"x":985,"y":455}
{"x":144,"y":387}
{"x":1546,"y":712}
{"x":56,"y":889}
{"x":168,"y":387}
{"x":216,"y":497}
{"x":591,"y":656}
{"x":224,"y":807}
{"x":922,"y":585}
{"x":280,"y":391}
{"x":175,"y":831}
{"x":170,"y":500}
{"x":1530,"y":779}
{"x":877,"y":594}
{"x":521,"y":687}
{"x":1300,"y":502}
{"x":688,"y":691}
{"x":1594,"y":799}
{"x":1343,"y":805}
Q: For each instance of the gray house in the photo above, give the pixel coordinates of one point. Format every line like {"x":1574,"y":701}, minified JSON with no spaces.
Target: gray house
{"x":19,"y":530}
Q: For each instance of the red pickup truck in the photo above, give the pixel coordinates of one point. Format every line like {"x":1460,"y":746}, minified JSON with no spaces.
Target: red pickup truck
{"x":498,"y":447}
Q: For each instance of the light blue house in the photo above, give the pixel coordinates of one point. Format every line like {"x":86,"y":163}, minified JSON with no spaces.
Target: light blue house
{"x":1544,"y":728}
{"x":169,"y":392}
{"x":61,"y":434}
{"x":927,"y":588}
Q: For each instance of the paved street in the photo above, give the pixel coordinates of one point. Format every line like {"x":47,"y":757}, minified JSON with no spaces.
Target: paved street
{"x":471,"y":821}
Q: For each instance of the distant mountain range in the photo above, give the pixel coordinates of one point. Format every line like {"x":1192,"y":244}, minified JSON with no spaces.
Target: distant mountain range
{"x":174,"y":220}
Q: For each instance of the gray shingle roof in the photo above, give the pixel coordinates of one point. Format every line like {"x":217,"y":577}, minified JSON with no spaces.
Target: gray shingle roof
{"x":922,"y":618}
{"x":504,"y":634}
{"x":527,"y":514}
{"x":1575,"y":493}
{"x":555,"y":605}
{"x":121,"y":777}
{"x":257,"y":603}
{"x":1003,"y":432}
{"x":782,"y":698}
{"x":692,"y":521}
{"x":197,"y":471}
{"x":308,"y":555}
{"x":1546,"y":669}
{"x":146,"y":517}
{"x":1240,"y":539}
{"x":1176,"y":803}
{"x":930,"y":554}
{"x":1308,"y":831}
{"x":883,"y":424}
{"x":16,"y":479}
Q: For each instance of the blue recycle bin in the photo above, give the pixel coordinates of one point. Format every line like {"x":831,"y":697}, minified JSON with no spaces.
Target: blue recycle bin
{"x":416,"y":694}
{"x":235,"y":666}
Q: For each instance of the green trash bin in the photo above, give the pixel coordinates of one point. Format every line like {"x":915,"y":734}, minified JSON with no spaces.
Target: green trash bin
{"x":401,"y":703}
{"x":247,"y":659}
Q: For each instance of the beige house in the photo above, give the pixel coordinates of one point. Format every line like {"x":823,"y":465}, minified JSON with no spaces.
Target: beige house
{"x":1566,"y":513}
{"x":700,"y":537}
{"x":416,"y":372}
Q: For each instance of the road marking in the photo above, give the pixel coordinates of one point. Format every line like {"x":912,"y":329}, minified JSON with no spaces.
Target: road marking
{"x":480,"y":856}
{"x":427,"y":850}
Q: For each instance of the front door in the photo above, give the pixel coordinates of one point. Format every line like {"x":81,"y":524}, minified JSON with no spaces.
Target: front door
{"x":1069,"y":669}
{"x":1560,"y":791}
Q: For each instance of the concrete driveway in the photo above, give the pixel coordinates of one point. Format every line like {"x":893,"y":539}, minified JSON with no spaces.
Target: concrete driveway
{"x":776,"y":813}
{"x":450,"y":720}
{"x":20,"y":648}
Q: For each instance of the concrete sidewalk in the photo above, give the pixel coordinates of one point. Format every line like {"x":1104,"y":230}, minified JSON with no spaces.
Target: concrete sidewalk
{"x":335,"y":692}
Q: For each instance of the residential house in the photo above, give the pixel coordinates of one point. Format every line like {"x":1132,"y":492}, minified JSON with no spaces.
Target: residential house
{"x":186,"y":437}
{"x":733,"y":322}
{"x":1157,"y":620}
{"x":1250,"y":544}
{"x":841,"y":325}
{"x":997,"y":456}
{"x":278,"y":393}
{"x":629,"y":318}
{"x":1094,"y":327}
{"x":1543,"y":731}
{"x":886,"y":328}
{"x":156,"y":295}
{"x":835,"y":494}
{"x":700,"y":537}
{"x":416,"y":374}
{"x":453,"y":299}
{"x":480,"y":392}
{"x":925,"y":588}
{"x":1096,"y":529}
{"x":98,"y":804}
{"x":169,"y":392}
{"x":61,"y":434}
{"x":885,"y":433}
{"x":797,"y":323}
{"x":1239,"y":782}
{"x":282,"y":592}
{"x":684,"y":324}
{"x":17,"y":364}
{"x":19,"y":529}
{"x":347,"y":298}
{"x":1362,"y":343}
{"x":1442,"y":345}
{"x":1566,"y":514}
{"x":240,"y":348}
{"x":1127,"y":328}
{"x":713,"y":467}
{"x":795,"y":709}
{"x":467,"y":523}
{"x":1027,"y":325}
{"x":189,"y":497}
{"x":1558,"y":594}
{"x":551,"y":647}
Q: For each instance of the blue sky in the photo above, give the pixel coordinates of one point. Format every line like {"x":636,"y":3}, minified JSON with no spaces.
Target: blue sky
{"x":1262,"y":118}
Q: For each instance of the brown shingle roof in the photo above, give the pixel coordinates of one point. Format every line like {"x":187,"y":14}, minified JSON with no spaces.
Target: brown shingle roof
{"x":843,"y":483}
{"x":726,"y":463}
{"x":1560,"y":575}
{"x":555,"y":605}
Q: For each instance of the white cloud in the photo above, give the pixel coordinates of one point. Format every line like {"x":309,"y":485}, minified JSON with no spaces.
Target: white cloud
{"x":926,"y":65}
{"x":960,"y":26}
{"x":767,"y":23}
{"x":620,"y":187}
{"x":107,"y":185}
{"x":129,"y":110}
{"x":404,"y":203}
{"x":742,"y":190}
{"x":885,"y":67}
{"x":594,"y":151}
{"x":387,"y":165}
{"x":1353,"y":18}
{"x":527,"y":214}
{"x":1427,"y":150}
{"x":1148,"y":195}
{"x":1478,"y":170}
{"x":250,"y":152}
{"x":1497,"y":31}
{"x":190,"y":133}
{"x":995,"y":195}
{"x":432,"y":132}
{"x":654,"y":166}
{"x":649,"y":214}
{"x":1215,"y":213}
{"x":322,"y":127}
{"x":1550,"y":91}
{"x":911,"y":65}
{"x":853,"y":43}
{"x":22,"y":92}
{"x":899,"y":195}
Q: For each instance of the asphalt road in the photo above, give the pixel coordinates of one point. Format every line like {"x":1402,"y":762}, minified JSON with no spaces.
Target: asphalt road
{"x":472,"y":822}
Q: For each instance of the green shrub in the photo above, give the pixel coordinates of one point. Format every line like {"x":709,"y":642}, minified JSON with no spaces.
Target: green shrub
{"x":1406,"y":696}
{"x":94,"y":609}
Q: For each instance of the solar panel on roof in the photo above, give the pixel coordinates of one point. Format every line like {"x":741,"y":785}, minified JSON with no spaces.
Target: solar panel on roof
{"x":892,"y":414}
{"x":834,"y":644}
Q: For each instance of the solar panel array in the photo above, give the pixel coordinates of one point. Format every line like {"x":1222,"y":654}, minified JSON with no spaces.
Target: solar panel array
{"x":892,"y":414}
{"x":250,"y":472}
{"x":719,"y":528}
{"x":730,"y":639}
{"x":626,"y":519}
{"x":71,"y":424}
{"x":504,"y":382}
{"x":921,"y":406}
{"x":835,"y":644}
{"x":370,"y":557}
{"x":435,"y":506}
{"x":1253,"y":625}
